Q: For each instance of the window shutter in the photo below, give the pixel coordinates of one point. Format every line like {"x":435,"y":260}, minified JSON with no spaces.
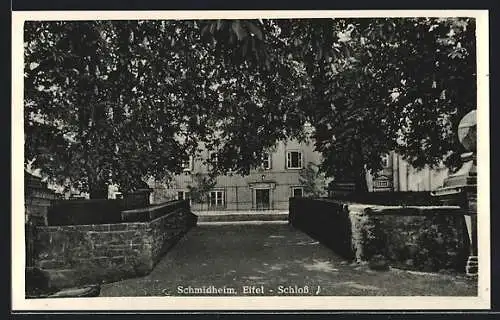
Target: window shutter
{"x":288,"y":159}
{"x":301,"y":157}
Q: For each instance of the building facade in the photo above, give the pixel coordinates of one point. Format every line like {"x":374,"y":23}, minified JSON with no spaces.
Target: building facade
{"x":270,"y":186}
{"x":398,"y":175}
{"x":266,"y":188}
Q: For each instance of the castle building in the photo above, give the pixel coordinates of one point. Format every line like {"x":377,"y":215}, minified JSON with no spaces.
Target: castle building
{"x":277,"y":179}
{"x":268,"y":187}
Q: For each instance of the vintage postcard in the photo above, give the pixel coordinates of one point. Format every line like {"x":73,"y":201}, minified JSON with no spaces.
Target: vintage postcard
{"x":250,"y":160}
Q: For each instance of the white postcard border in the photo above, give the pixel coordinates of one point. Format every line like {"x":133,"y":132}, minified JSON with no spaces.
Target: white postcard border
{"x":19,"y":303}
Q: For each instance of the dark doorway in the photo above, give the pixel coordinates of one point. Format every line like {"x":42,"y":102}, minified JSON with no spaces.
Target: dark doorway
{"x":297,"y":192}
{"x":262,"y":199}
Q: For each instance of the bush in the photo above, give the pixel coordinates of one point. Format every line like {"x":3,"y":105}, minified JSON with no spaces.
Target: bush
{"x":104,"y":211}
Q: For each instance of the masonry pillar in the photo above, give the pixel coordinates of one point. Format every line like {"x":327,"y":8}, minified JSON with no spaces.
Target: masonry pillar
{"x":460,"y":188}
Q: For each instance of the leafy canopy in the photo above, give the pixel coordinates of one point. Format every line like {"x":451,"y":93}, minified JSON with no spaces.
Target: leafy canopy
{"x":117,"y":101}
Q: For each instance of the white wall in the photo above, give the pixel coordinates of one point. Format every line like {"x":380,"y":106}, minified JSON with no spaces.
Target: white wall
{"x":407,"y":178}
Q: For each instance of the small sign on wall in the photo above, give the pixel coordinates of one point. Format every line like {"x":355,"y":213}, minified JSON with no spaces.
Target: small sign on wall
{"x":382,"y":183}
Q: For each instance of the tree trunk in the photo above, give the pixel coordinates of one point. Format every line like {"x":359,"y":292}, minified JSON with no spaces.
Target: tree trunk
{"x":98,"y":190}
{"x":360,"y":183}
{"x":359,"y":171}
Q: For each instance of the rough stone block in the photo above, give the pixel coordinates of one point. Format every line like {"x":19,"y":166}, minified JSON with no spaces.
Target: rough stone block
{"x":62,"y":278}
{"x":101,"y":227}
{"x":37,"y":282}
{"x":113,"y":251}
{"x":419,"y":238}
{"x":137,"y":226}
{"x":142,"y":263}
{"x":89,"y":254}
{"x":118,"y":226}
{"x":379,"y":263}
{"x":52,"y":264}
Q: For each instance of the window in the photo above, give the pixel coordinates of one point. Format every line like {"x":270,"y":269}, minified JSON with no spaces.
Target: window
{"x":297,"y":192}
{"x":216,"y":199}
{"x":187,"y":165}
{"x":182,"y":195}
{"x":385,"y":160}
{"x":294,"y":160}
{"x":266,"y":161}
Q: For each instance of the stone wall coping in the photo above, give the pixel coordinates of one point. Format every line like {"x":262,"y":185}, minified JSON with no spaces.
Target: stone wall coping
{"x":404,"y":210}
{"x":86,"y":227}
{"x":367,"y":208}
{"x":380,"y":206}
{"x":102,"y":227}
{"x":164,"y":216}
{"x":152,"y":208}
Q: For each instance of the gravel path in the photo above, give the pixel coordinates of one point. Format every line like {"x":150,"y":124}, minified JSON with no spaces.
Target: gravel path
{"x":274,"y":259}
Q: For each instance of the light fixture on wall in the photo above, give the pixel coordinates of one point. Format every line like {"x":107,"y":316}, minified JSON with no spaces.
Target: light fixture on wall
{"x":263,"y":177}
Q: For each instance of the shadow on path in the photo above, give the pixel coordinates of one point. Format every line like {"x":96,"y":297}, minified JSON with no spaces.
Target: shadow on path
{"x":277,"y":259}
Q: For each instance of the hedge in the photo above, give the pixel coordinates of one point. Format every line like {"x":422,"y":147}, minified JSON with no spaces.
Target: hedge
{"x":106,"y":211}
{"x":93,"y":211}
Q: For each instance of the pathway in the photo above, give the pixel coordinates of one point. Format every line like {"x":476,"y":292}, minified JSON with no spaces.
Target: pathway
{"x":232,"y":217}
{"x":244,"y":259}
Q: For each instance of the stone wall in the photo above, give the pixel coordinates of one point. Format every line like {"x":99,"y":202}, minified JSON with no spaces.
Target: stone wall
{"x":88,"y":254}
{"x":165,"y":232}
{"x":423,"y":238}
{"x":37,"y":198}
{"x":325,"y":221}
{"x":416,"y":238}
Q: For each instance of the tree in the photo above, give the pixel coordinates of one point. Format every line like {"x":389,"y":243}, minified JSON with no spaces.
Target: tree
{"x":116,"y":101}
{"x":402,"y":84}
{"x":377,"y":85}
{"x":405,"y":91}
{"x":313,"y":181}
{"x":94,"y":113}
{"x":199,"y":191}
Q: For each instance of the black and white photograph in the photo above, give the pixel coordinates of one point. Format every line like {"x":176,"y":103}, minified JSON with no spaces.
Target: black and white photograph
{"x":250,"y":160}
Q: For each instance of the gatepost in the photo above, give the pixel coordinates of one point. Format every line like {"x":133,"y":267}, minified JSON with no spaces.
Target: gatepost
{"x":460,"y":188}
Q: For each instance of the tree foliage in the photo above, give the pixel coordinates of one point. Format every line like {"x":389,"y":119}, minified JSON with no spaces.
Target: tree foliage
{"x":378,"y":85}
{"x":115,"y":101}
{"x":408,"y":85}
{"x":201,"y":186}
{"x":313,"y":181}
